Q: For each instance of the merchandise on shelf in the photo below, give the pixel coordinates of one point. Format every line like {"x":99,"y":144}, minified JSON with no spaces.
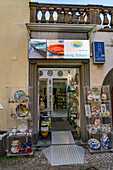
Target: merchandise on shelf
{"x":96,"y":128}
{"x":62,"y":99}
{"x":94,"y":143}
{"x":104,"y":96}
{"x":42,"y":105}
{"x":19,"y":97}
{"x":99,"y":117}
{"x":19,"y":115}
{"x":105,"y":141}
{"x":44,"y":130}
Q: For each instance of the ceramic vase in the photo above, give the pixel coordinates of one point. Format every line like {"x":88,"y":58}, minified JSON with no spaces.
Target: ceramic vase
{"x":105,"y":141}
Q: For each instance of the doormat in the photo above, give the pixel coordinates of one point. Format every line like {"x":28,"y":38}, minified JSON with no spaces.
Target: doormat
{"x":64,"y":154}
{"x":62,"y":137}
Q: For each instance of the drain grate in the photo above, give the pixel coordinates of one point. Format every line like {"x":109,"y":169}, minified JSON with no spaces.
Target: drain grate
{"x":62,"y":137}
{"x":64,"y":154}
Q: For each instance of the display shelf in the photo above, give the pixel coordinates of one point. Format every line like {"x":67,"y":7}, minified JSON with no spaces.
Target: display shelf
{"x":20,"y":154}
{"x":19,"y":103}
{"x":98,"y":117}
{"x":61,"y":99}
{"x":19,"y":145}
{"x":19,"y":120}
{"x":100,"y":150}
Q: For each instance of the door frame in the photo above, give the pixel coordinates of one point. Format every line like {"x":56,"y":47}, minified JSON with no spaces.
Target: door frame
{"x":34,"y":65}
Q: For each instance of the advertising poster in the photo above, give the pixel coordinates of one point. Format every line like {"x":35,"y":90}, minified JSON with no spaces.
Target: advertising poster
{"x":68,"y":49}
{"x":55,"y":49}
{"x":59,"y":49}
{"x":77,"y":49}
{"x":37,"y":49}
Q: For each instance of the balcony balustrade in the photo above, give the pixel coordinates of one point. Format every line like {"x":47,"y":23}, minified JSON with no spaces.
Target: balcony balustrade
{"x":71,"y":14}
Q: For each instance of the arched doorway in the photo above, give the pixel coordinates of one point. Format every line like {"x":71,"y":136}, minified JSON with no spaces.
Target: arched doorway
{"x":109,"y":81}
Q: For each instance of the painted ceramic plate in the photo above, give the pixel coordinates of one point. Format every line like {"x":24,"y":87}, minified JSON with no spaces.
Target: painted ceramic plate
{"x":22,"y":127}
{"x":41,"y":73}
{"x":96,"y":93}
{"x":21,"y":110}
{"x":14,"y":150}
{"x":15,"y":143}
{"x":19,"y":94}
{"x":96,"y":109}
{"x":56,"y":49}
{"x":94,"y":143}
{"x":50,"y":72}
{"x":60,"y":73}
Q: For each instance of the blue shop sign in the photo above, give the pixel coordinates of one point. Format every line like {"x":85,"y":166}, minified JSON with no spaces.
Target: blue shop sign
{"x":99,"y":52}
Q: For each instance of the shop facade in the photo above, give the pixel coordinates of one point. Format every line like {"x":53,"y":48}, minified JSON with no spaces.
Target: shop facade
{"x":91,"y":74}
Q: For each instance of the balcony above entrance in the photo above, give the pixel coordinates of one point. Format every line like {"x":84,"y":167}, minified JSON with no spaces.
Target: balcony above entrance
{"x":71,"y":14}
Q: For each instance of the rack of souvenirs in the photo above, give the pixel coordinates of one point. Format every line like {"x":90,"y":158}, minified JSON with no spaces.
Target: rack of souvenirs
{"x":97,"y":128}
{"x":19,"y":97}
{"x":17,"y":147}
{"x":96,"y":94}
{"x":97,"y":110}
{"x":21,"y":112}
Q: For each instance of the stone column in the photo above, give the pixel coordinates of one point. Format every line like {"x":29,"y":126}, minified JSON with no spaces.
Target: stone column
{"x":66,"y":18}
{"x":106,"y":21}
{"x":43,"y":19}
{"x":74,"y":20}
{"x":51,"y":19}
{"x":59,"y":19}
{"x":111,"y":18}
{"x":81,"y":18}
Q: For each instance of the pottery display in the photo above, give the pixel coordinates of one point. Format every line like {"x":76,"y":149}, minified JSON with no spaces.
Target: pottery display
{"x":94,"y":143}
{"x":105,"y":141}
{"x":42,"y":105}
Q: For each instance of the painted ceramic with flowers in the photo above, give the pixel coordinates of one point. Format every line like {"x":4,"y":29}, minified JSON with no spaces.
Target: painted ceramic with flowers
{"x":105,"y":141}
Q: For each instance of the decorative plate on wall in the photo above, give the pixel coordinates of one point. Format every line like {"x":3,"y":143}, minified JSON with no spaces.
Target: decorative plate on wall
{"x":50,"y":72}
{"x":60,"y":73}
{"x":21,"y":110}
{"x":22,"y":127}
{"x":41,"y":73}
{"x":19,"y":94}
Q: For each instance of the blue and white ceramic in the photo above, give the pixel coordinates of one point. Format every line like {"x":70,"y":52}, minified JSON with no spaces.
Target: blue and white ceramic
{"x":94,"y":143}
{"x":105,"y":141}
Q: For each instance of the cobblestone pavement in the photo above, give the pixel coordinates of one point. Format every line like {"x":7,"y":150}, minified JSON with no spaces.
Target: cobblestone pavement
{"x":100,"y":161}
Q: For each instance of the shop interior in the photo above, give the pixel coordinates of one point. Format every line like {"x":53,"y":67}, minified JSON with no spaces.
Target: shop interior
{"x":59,"y":101}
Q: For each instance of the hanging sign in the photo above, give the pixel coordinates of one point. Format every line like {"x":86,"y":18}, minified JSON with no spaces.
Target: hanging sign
{"x":99,"y":52}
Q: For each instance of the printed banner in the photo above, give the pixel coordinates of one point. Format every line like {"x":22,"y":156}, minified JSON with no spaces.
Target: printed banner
{"x":37,"y":49}
{"x":59,"y":49}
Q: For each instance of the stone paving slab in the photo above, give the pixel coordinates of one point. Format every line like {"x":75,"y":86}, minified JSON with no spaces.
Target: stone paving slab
{"x":100,"y":161}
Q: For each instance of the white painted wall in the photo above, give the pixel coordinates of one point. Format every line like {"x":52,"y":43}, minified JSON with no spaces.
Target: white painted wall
{"x":99,"y":71}
{"x":55,"y":76}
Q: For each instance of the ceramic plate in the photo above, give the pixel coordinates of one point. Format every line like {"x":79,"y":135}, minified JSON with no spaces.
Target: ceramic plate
{"x":96,"y":109}
{"x":22,"y":127}
{"x":21,"y":110}
{"x":94,"y":143}
{"x":96,"y":93}
{"x":50,"y":72}
{"x":14,"y":150}
{"x":56,"y":49}
{"x":18,"y":94}
{"x":60,"y":73}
